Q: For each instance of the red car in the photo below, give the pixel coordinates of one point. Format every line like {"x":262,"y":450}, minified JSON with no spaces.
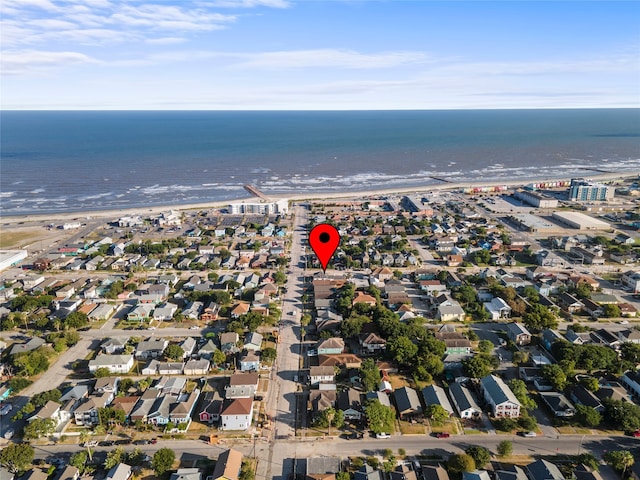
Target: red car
{"x":154,"y":441}
{"x":443,"y":435}
{"x":636,"y":433}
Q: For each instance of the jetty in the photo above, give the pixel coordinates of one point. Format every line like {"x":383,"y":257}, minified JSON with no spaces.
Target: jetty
{"x":253,"y":190}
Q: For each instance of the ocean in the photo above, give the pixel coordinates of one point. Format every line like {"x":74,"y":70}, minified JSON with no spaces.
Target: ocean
{"x":94,"y":160}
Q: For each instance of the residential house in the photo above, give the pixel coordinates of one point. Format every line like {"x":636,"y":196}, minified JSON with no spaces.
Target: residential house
{"x":125,"y":404}
{"x":407,"y":402}
{"x":210,"y":407}
{"x":113,"y":363}
{"x":236,"y":414}
{"x":75,"y":393}
{"x":206,"y":351}
{"x":464,"y":401}
{"x":380,"y":396}
{"x":121,"y":471}
{"x":197,"y":367}
{"x":371,"y":343}
{"x":320,"y":400}
{"x":242,"y":385}
{"x":322,"y":468}
{"x":69,"y":473}
{"x":549,"y":337}
{"x":499,"y":397}
{"x":253,"y":342}
{"x":186,"y":474}
{"x":239,"y":310}
{"x":50,"y":411}
{"x":170,"y":368}
{"x":181,"y":410}
{"x":143,"y":407}
{"x":229,"y":342}
{"x":582,"y":396}
{"x":330,"y":346}
{"x":350,"y":403}
{"x":159,"y":412}
{"x":558,"y":404}
{"x":87,"y":412}
{"x":497,"y":308}
{"x":31,"y":345}
{"x":435,"y":472}
{"x":570,"y":303}
{"x":455,"y":343}
{"x":348,"y":360}
{"x":171,"y":385}
{"x":448,"y":309}
{"x":367,"y":472}
{"x":210,"y":312}
{"x":544,"y":470}
{"x":518,"y":333}
{"x":228,"y":465}
{"x":140,"y":313}
{"x":114,"y":345}
{"x":34,"y":474}
{"x":476,"y":475}
{"x":631,"y":381}
{"x":321,"y":375}
{"x":511,"y":472}
{"x":151,"y":348}
{"x":249,"y":362}
{"x":630,"y":336}
{"x":435,"y":395}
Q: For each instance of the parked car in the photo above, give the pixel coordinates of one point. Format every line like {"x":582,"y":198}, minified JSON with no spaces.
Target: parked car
{"x":9,"y":433}
{"x":92,"y":443}
{"x":383,"y":435}
{"x":6,"y":408}
{"x":443,"y":435}
{"x":529,"y":434}
{"x":154,"y":441}
{"x":636,"y":433}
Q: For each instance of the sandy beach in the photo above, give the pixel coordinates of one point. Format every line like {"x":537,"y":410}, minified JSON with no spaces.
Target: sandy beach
{"x":155,"y":210}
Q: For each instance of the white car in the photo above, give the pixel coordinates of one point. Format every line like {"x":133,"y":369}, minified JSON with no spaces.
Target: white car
{"x":9,"y":434}
{"x":529,"y":434}
{"x":383,"y":435}
{"x":311,"y":353}
{"x":194,"y":327}
{"x":6,"y":408}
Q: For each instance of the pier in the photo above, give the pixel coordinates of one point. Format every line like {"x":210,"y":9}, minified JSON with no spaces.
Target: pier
{"x":253,"y":190}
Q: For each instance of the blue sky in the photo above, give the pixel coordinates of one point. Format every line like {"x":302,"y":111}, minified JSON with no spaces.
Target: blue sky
{"x":338,"y":54}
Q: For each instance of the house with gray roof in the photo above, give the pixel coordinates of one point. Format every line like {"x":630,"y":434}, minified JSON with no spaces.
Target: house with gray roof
{"x":382,"y":397}
{"x":186,"y":474}
{"x":544,"y":470}
{"x":367,"y":472}
{"x":435,"y":395}
{"x":188,"y":345}
{"x":407,"y":402}
{"x":229,"y":342}
{"x":558,"y":404}
{"x":434,"y":472}
{"x":253,"y":341}
{"x":171,"y":385}
{"x":499,"y":397}
{"x":518,"y":333}
{"x":151,"y":348}
{"x":114,"y":345}
{"x":476,"y":475}
{"x":511,"y":472}
{"x":322,"y":465}
{"x":582,"y":396}
{"x":29,"y":346}
{"x":206,"y":351}
{"x":121,"y":471}
{"x":350,"y":403}
{"x":464,"y":401}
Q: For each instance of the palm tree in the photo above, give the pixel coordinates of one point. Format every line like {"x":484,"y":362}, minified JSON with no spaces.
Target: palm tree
{"x":85,"y":435}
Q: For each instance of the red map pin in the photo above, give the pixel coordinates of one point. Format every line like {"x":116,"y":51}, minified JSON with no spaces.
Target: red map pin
{"x":324,"y":239}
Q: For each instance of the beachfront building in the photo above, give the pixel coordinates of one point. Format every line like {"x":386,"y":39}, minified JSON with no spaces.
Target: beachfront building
{"x":279,"y":206}
{"x":536,"y":199}
{"x":582,"y":190}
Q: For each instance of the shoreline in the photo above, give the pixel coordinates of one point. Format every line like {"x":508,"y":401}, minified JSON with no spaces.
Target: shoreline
{"x":155,"y":210}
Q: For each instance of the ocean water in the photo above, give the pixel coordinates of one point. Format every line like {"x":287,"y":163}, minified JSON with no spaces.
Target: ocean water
{"x":90,"y":160}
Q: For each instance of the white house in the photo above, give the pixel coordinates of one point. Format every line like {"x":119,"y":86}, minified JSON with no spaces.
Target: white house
{"x":464,"y":401}
{"x":321,"y":375}
{"x":499,"y":397}
{"x":497,"y":308}
{"x":114,"y":363}
{"x":236,"y":414}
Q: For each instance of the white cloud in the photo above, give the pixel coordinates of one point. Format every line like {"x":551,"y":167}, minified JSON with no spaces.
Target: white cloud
{"x":17,"y":62}
{"x":250,"y":3}
{"x":331,"y":58}
{"x":165,"y":40}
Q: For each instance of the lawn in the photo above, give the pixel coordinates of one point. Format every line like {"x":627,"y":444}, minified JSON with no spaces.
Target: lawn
{"x":407,"y":428}
{"x":398,"y":381}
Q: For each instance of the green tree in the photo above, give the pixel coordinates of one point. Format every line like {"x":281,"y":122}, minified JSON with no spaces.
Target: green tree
{"x":39,"y":399}
{"x":460,"y":463}
{"x":369,"y":375}
{"x":527,"y":422}
{"x":40,"y":427}
{"x":343,"y":476}
{"x":19,"y":383}
{"x":17,"y":457}
{"x":622,"y":415}
{"x":520,"y":357}
{"x":556,"y":375}
{"x":538,"y":317}
{"x":79,"y":460}
{"x":268,"y":354}
{"x":588,"y":416}
{"x":114,"y":457}
{"x":174,"y":352}
{"x":519,"y":389}
{"x":102,"y":372}
{"x":219,"y":357}
{"x":76,"y":320}
{"x":505,"y":448}
{"x":403,"y":350}
{"x":485,"y":346}
{"x":481,"y":455}
{"x":620,"y":460}
{"x":476,"y":367}
{"x":436,"y":412}
{"x":163,"y":461}
{"x":590,"y":383}
{"x":246,"y":470}
{"x":611,"y":310}
{"x":280,"y":277}
{"x":380,"y":418}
